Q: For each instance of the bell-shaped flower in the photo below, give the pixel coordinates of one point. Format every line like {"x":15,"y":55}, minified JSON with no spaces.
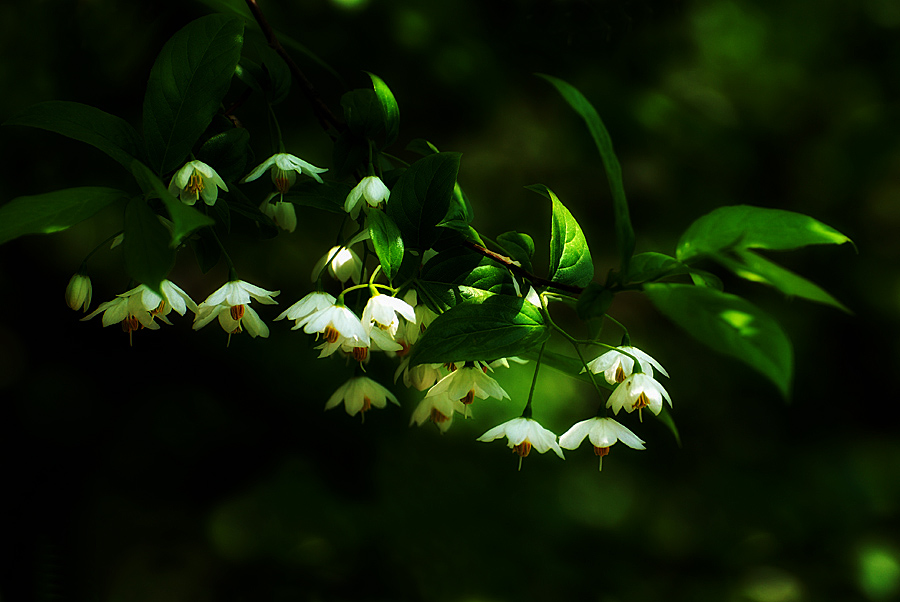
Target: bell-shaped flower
{"x":467,"y":383}
{"x":343,"y":264}
{"x":522,"y":434}
{"x":132,"y":310}
{"x":637,"y":392}
{"x":359,"y":394}
{"x":439,"y":410}
{"x":285,"y":169}
{"x":420,"y":376}
{"x":616,"y":366}
{"x":602,"y":433}
{"x":78,"y":292}
{"x":194,"y":180}
{"x":371,"y":189}
{"x":159,"y":305}
{"x":231,"y":305}
{"x":281,"y":212}
{"x":301,"y":311}
{"x":384,"y":311}
{"x":339,"y":326}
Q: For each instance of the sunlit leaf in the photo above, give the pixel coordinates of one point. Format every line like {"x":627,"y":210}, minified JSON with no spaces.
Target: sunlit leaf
{"x":421,"y":197}
{"x":623,"y":227}
{"x":389,"y":107}
{"x":729,"y":325}
{"x":387,"y":242}
{"x":570,"y":258}
{"x":519,"y":247}
{"x":53,"y":211}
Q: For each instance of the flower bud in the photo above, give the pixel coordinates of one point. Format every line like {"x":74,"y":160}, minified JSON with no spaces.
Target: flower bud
{"x":78,"y":292}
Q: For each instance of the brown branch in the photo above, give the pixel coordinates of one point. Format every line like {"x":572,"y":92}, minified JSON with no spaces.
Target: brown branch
{"x":326,"y":118}
{"x":515,"y":267}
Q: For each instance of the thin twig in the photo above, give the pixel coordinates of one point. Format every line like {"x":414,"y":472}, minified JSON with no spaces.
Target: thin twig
{"x":515,"y":267}
{"x":326,"y":118}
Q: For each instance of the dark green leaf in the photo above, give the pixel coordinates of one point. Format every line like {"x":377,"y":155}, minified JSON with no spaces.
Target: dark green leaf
{"x":363,"y":114}
{"x":624,"y":230}
{"x":463,"y":228}
{"x":329,"y":196}
{"x":421,"y":197}
{"x":570,"y":258}
{"x":187,"y":83}
{"x":206,"y":250}
{"x":185,"y":219}
{"x":652,"y":266}
{"x":707,"y":279}
{"x":746,"y":227}
{"x":148,"y":255}
{"x":53,"y":211}
{"x":227,"y":153}
{"x":277,"y":84}
{"x":594,"y":302}
{"x":518,"y":247}
{"x":112,"y":135}
{"x":497,"y":326}
{"x":391,"y":113}
{"x":423,"y":147}
{"x":387,"y":242}
{"x":729,"y":325}
{"x":349,"y":154}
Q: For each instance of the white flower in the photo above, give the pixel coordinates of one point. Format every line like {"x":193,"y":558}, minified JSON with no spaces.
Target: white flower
{"x":173,"y":298}
{"x":370,"y":188}
{"x":305,"y":308}
{"x":439,"y":410}
{"x":420,"y":376}
{"x":616,"y":366}
{"x":231,"y":305}
{"x":281,"y":212}
{"x":602,"y":433}
{"x":343,"y":264}
{"x":359,"y":394}
{"x":340,"y":327}
{"x":285,"y":168}
{"x":382,"y":311}
{"x":467,"y":383}
{"x":523,"y":434}
{"x":78,"y":292}
{"x":636,"y":392}
{"x":194,"y":180}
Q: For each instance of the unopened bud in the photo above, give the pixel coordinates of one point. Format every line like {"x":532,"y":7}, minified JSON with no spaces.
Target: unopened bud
{"x":78,"y":292}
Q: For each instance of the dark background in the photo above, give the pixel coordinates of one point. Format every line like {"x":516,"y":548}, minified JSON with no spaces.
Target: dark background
{"x":181,"y":470}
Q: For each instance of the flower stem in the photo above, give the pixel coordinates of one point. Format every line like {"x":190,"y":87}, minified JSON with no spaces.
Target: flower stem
{"x":526,"y":413}
{"x":232,"y":273}
{"x":97,"y":248}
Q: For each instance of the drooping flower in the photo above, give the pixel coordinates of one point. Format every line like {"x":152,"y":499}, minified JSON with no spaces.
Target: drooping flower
{"x":420,"y":376}
{"x":305,"y":308}
{"x":230,"y":303}
{"x":522,"y":434}
{"x":467,"y":383}
{"x":343,"y":264}
{"x":602,"y":433}
{"x":340,"y":327}
{"x":439,"y":410}
{"x":384,"y":311}
{"x":637,"y":392}
{"x":78,"y":292}
{"x":359,"y":394}
{"x":281,"y":212}
{"x":285,"y":168}
{"x":194,"y":180}
{"x":370,"y":188}
{"x":616,"y":366}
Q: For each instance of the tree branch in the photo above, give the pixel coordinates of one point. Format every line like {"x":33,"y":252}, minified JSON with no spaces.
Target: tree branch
{"x":515,"y":267}
{"x":326,"y":118}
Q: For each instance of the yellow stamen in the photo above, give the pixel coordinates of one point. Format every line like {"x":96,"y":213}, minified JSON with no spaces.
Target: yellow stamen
{"x":195,"y":184}
{"x":620,"y":374}
{"x":159,"y":308}
{"x":331,"y":334}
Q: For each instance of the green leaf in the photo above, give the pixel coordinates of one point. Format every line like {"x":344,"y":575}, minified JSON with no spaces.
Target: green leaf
{"x":185,"y":219}
{"x":227,"y":153}
{"x":328,"y":196}
{"x":391,"y":113}
{"x":746,"y":227}
{"x":751,"y":266}
{"x":570,"y":258}
{"x":423,"y":147}
{"x":421,"y":197}
{"x":623,"y":228}
{"x":53,"y":211}
{"x":594,"y":302}
{"x":206,"y":250}
{"x":729,"y":325}
{"x":645,"y":267}
{"x":187,"y":83}
{"x":387,"y":242}
{"x":497,"y":326}
{"x":363,"y":114}
{"x":518,"y":247}
{"x":350,"y":152}
{"x":148,"y":255}
{"x":112,"y":135}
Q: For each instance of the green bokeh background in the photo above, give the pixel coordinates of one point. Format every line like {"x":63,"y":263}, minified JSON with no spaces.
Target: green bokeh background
{"x":181,"y":470}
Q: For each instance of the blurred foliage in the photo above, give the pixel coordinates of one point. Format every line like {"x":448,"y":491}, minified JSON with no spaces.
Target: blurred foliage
{"x":180,"y":470}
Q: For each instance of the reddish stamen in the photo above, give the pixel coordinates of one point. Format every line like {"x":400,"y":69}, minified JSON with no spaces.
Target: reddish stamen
{"x":523,"y":448}
{"x":601,"y":451}
{"x":360,"y":353}
{"x":237,"y":312}
{"x":469,"y":398}
{"x":331,"y":334}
